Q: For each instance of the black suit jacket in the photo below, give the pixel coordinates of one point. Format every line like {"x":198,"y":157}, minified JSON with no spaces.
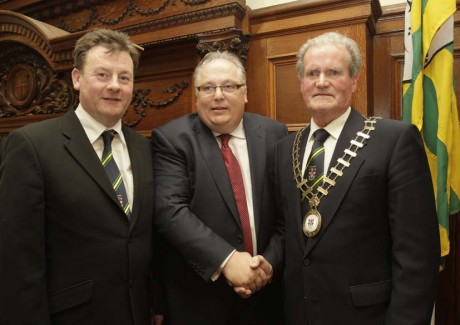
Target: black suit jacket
{"x":375,"y":260}
{"x":196,"y":214}
{"x":68,"y":253}
{"x":2,"y":149}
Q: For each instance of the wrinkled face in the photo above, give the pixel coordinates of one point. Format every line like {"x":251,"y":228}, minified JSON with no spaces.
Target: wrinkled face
{"x":221,"y":111}
{"x":105,"y":84}
{"x":327,"y":87}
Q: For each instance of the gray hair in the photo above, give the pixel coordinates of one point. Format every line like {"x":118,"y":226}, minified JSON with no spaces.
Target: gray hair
{"x":225,"y":55}
{"x":354,"y":64}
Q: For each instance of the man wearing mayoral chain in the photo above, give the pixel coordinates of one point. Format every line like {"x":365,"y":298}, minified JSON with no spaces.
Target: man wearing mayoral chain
{"x":361,"y":233}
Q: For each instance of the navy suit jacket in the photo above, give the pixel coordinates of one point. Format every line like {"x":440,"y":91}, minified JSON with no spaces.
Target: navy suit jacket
{"x":375,"y":260}
{"x":196,"y":214}
{"x":68,"y":253}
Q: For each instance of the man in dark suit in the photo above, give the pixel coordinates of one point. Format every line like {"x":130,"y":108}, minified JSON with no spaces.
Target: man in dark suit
{"x":208,"y":250}
{"x":73,"y":249}
{"x":363,"y":246}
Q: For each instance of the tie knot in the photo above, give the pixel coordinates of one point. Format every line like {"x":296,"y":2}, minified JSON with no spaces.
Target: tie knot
{"x":224,"y":138}
{"x":107,"y":137}
{"x":321,"y":135}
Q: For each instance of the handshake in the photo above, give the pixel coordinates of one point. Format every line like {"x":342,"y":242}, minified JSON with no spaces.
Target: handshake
{"x":247,"y":274}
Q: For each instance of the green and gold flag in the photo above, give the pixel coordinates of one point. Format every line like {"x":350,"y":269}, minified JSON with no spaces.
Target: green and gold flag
{"x":429,"y":99}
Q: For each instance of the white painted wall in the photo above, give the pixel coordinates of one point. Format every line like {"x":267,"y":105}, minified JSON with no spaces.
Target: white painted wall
{"x":256,"y":4}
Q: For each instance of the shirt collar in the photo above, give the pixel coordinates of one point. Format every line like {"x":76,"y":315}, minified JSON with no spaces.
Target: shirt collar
{"x":334,"y":128}
{"x":93,"y":128}
{"x":238,"y":132}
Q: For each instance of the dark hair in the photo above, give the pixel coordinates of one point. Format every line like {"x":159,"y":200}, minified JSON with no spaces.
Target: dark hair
{"x":111,"y":39}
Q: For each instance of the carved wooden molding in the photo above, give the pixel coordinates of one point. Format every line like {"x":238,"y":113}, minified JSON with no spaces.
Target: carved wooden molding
{"x":191,"y":17}
{"x":231,"y":40}
{"x":57,"y":9}
{"x":29,"y":86}
{"x":141,"y":102}
{"x":36,"y":35}
{"x":95,"y":15}
{"x":313,"y":15}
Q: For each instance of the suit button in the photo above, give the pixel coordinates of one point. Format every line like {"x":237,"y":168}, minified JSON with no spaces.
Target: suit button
{"x":239,"y":240}
{"x":129,"y":240}
{"x":131,"y":283}
{"x":306,"y":262}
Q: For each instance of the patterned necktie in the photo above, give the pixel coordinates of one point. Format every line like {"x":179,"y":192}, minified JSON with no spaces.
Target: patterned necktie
{"x":314,"y":173}
{"x":113,"y":172}
{"x":236,"y":179}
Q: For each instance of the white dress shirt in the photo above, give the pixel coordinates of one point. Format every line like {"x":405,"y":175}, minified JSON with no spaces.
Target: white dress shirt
{"x":93,"y":130}
{"x":239,"y":147}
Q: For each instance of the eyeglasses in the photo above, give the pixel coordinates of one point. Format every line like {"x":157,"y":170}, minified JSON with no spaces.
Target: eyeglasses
{"x":228,"y":88}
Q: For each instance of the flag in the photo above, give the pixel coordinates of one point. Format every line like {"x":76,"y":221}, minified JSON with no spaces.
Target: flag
{"x":429,"y":99}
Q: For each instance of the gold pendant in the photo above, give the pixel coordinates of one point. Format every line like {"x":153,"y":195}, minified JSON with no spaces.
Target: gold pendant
{"x":311,"y":223}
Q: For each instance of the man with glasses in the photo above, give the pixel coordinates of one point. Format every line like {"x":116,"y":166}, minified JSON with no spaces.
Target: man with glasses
{"x":214,"y":205}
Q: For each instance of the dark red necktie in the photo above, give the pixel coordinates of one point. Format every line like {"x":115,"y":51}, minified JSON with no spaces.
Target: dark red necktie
{"x":236,"y":179}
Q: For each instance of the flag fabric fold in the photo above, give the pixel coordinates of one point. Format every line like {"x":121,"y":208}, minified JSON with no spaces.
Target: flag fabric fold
{"x":429,"y":99}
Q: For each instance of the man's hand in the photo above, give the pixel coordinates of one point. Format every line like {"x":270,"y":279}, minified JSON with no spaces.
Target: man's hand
{"x":157,"y":319}
{"x":247,"y":274}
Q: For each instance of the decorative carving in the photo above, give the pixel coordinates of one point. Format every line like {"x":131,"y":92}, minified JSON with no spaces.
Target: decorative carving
{"x":20,"y":83}
{"x":31,"y":36}
{"x":28,"y":86}
{"x":140,"y":101}
{"x":194,"y":2}
{"x":130,"y":10}
{"x":216,"y":41}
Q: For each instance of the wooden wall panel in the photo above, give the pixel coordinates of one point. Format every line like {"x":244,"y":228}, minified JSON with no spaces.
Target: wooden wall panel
{"x":278,"y":33}
{"x":164,"y":87}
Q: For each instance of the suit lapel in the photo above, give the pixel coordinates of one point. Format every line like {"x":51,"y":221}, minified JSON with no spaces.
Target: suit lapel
{"x":137,"y":167}
{"x":82,"y":151}
{"x":330,"y":203}
{"x":257,"y":152}
{"x":212,"y":157}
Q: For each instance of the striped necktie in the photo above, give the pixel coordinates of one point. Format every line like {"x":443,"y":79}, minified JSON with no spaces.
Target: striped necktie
{"x":113,"y":172}
{"x":314,"y":173}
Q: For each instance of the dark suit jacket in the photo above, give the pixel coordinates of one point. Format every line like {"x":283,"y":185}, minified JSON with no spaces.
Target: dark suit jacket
{"x":196,"y":213}
{"x":375,"y":260}
{"x":2,"y":149}
{"x":68,"y":253}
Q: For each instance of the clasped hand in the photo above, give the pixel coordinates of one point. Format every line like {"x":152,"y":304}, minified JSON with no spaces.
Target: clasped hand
{"x":247,"y":274}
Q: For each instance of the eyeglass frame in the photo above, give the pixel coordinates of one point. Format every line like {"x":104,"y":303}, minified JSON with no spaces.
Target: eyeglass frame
{"x":238,"y":86}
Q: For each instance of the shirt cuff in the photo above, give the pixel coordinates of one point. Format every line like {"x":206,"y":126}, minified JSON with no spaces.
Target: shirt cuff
{"x":216,"y":274}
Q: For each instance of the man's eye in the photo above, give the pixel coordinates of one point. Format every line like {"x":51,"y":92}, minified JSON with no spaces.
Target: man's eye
{"x":229,"y":87}
{"x":102,"y":75}
{"x":125,"y":78}
{"x":207,"y":88}
{"x":312,"y":73}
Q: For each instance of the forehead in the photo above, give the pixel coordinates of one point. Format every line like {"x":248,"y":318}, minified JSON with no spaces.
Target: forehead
{"x":326,"y":55}
{"x":100,"y":56}
{"x":218,"y":69}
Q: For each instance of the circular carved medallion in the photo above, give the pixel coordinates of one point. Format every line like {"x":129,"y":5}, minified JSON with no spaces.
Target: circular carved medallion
{"x":20,"y":85}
